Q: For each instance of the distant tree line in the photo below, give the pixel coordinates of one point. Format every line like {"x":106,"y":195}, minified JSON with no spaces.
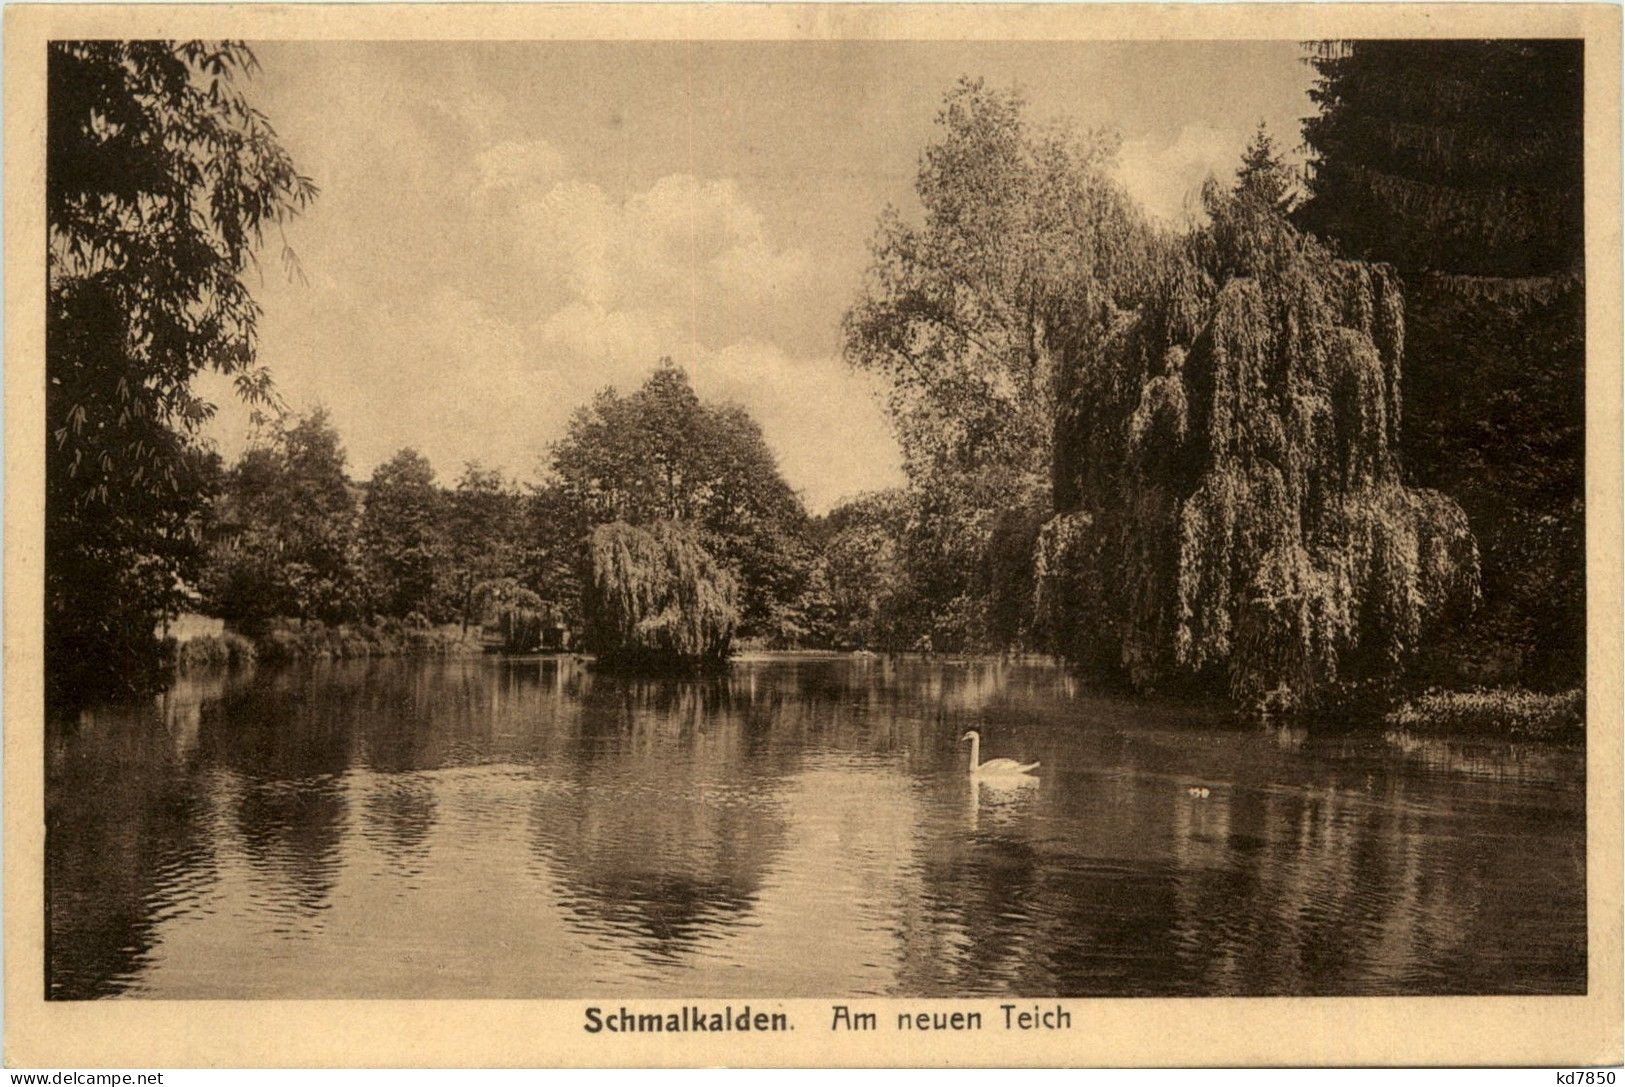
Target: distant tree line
{"x":289,"y":535}
{"x":286,"y":533}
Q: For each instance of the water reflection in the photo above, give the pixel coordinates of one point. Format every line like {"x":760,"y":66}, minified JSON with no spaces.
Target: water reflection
{"x":800,"y":826}
{"x":124,"y":841}
{"x":667,"y":817}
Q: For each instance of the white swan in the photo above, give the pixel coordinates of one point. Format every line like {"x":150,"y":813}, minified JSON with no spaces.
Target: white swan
{"x":992,"y":767}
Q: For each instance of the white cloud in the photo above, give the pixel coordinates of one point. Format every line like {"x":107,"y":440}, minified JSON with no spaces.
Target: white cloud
{"x":822,"y":419}
{"x":611,"y":340}
{"x":482,"y":342}
{"x":1166,"y":175}
{"x":687,"y":268}
{"x":682,"y":244}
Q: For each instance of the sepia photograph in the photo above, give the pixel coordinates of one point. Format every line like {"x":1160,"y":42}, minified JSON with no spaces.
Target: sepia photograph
{"x":685,"y":525}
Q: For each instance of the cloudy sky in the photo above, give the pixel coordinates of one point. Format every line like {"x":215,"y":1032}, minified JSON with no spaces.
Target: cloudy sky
{"x":506,"y":228}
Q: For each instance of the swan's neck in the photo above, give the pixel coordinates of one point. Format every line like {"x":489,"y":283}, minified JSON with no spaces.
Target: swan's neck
{"x":975,"y":752}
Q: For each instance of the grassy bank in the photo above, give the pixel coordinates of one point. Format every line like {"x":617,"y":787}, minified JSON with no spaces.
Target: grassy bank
{"x":1505,"y":713}
{"x":289,"y":640}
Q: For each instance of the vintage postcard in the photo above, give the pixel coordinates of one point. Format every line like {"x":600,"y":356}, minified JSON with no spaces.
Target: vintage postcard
{"x":812,"y":535}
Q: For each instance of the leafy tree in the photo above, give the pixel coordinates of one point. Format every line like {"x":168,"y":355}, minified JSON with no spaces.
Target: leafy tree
{"x":402,"y":546}
{"x":1026,"y":258}
{"x":483,"y":525}
{"x":287,"y":535}
{"x":1007,"y":572}
{"x":660,"y":454}
{"x":554,"y":550}
{"x":1264,"y":175}
{"x":861,"y":572}
{"x":519,"y":613}
{"x":1027,"y":251}
{"x":657,"y":599}
{"x":161,"y":180}
{"x":883,"y":579}
{"x":1237,"y":507}
{"x":1495,"y":416}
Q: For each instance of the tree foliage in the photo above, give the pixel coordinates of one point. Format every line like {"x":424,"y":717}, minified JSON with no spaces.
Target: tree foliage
{"x":1461,"y":163}
{"x":1497,"y":420}
{"x":484,"y":522}
{"x":1234,"y":504}
{"x":553,"y":557}
{"x":660,"y":454}
{"x":519,"y":613}
{"x":861,"y":574}
{"x":1027,"y":244}
{"x":1264,"y":176}
{"x":1454,"y":156}
{"x":1028,"y":250}
{"x":657,"y":598}
{"x":286,"y":533}
{"x":402,"y":539}
{"x":161,"y":181}
{"x":294,"y":537}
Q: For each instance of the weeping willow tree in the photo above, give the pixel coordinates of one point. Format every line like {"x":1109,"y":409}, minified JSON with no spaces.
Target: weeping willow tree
{"x":655,"y":598}
{"x":1230,"y":504}
{"x":519,"y":613}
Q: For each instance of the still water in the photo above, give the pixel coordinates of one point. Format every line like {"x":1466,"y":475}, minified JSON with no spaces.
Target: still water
{"x":804,"y":826}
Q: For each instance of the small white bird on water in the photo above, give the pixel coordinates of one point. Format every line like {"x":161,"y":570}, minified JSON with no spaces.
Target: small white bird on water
{"x":992,"y":767}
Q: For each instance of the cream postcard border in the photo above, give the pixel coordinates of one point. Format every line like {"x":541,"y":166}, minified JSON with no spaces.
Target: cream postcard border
{"x":1569,"y":1030}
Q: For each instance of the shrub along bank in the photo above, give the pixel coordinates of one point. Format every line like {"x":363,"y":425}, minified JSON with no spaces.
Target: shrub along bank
{"x":1510,"y":714}
{"x":289,"y":640}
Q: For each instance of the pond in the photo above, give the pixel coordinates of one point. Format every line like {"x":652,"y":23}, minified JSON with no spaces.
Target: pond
{"x":803,"y":826}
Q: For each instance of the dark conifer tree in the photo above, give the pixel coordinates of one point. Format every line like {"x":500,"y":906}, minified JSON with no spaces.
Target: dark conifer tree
{"x":1461,"y":163}
{"x":1452,"y":156}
